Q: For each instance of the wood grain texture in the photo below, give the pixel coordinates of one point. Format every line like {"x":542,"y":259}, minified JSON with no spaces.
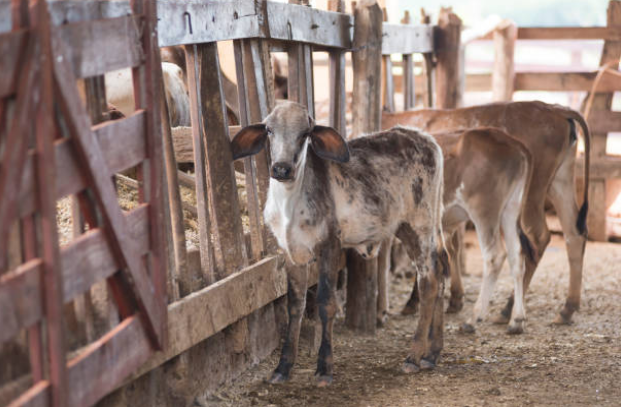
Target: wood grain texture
{"x":447,"y":37}
{"x":406,"y":39}
{"x":503,"y":71}
{"x":12,"y":47}
{"x":100,"y":46}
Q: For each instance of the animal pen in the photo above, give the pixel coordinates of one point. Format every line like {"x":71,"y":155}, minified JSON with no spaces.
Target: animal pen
{"x":123,"y":311}
{"x":160,"y":306}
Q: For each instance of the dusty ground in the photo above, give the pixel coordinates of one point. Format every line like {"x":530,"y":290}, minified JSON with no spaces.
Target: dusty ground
{"x":548,"y":365}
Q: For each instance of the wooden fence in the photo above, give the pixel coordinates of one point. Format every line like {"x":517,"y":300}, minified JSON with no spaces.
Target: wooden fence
{"x":224,"y":309}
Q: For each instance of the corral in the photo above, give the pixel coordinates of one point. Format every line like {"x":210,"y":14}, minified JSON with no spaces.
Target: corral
{"x":165,"y":284}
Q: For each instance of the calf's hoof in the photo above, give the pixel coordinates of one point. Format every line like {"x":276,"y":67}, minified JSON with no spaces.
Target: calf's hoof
{"x":410,"y":366}
{"x":564,"y":317}
{"x":278,"y":377}
{"x":467,"y":328}
{"x":455,"y":305}
{"x":381,"y":319}
{"x":409,"y":309}
{"x":323,"y":380}
{"x":516,"y":327}
{"x":427,"y":364}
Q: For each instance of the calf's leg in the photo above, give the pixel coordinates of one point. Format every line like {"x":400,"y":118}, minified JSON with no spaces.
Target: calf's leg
{"x":455,"y":250}
{"x":421,"y":252}
{"x":562,"y":196}
{"x":296,"y":302}
{"x":328,"y":258}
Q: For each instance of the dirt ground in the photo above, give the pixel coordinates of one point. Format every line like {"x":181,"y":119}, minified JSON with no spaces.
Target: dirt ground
{"x":577,"y":365}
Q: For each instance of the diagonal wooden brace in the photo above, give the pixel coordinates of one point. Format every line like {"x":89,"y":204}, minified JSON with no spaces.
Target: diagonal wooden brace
{"x":91,"y":157}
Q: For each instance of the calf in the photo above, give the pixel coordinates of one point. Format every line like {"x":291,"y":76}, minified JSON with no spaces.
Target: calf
{"x":549,"y":134}
{"x":486,"y":175}
{"x":326,"y":194}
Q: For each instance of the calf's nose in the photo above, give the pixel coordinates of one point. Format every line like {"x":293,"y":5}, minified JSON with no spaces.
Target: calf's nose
{"x":282,"y":171}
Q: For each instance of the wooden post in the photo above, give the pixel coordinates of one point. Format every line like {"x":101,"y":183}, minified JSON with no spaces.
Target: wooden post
{"x":409,"y":94}
{"x":387,"y":80}
{"x":367,"y":61}
{"x":429,"y":67}
{"x":447,"y":40}
{"x":503,"y":73}
{"x":596,"y":220}
{"x":338,"y":99}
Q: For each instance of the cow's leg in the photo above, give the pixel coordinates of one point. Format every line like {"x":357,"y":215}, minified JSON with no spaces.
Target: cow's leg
{"x":562,"y":195}
{"x":296,"y":303}
{"x":329,"y":255}
{"x":383,"y":270}
{"x":436,"y":332}
{"x":534,"y":223}
{"x":421,"y":252}
{"x":454,"y":248}
{"x":517,"y":266}
{"x":411,"y":307}
{"x":493,"y":258}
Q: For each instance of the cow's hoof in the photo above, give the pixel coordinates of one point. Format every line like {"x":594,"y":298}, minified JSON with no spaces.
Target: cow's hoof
{"x":427,"y":364}
{"x":454,"y":306}
{"x":381,"y":319}
{"x":562,"y":319}
{"x":410,"y":366}
{"x":323,"y":380}
{"x":278,"y":378}
{"x":409,"y":309}
{"x":501,"y":319}
{"x":515,"y":328}
{"x":467,"y":328}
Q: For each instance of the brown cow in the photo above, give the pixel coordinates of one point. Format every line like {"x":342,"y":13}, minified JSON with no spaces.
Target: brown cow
{"x":486,"y":174}
{"x":548,"y":132}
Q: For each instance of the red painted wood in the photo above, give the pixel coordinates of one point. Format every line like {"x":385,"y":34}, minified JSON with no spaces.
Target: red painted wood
{"x":13,"y":157}
{"x":93,"y":162}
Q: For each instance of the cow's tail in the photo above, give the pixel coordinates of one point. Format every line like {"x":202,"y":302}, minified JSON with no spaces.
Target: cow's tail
{"x":572,"y":115}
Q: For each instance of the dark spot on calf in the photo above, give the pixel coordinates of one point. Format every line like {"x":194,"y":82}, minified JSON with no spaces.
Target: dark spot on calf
{"x":417,"y":190}
{"x":410,"y":239}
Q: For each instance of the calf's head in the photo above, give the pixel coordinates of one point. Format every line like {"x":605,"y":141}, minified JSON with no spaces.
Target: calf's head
{"x":289,"y":129}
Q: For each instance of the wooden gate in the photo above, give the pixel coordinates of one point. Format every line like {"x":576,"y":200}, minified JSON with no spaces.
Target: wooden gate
{"x":51,"y":150}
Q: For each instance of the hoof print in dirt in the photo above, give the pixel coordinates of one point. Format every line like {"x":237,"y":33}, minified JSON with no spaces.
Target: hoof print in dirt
{"x":323,"y":380}
{"x":278,"y":378}
{"x":467,"y":328}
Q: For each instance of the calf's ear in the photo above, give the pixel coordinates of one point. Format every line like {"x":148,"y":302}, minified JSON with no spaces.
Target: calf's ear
{"x":249,"y":141}
{"x":328,"y":144}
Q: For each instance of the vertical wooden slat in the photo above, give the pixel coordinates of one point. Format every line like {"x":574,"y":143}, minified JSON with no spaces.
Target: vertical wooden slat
{"x":338,"y":100}
{"x":409,"y":98}
{"x":387,"y":80}
{"x":220,"y":174}
{"x":611,"y":52}
{"x":367,"y":57}
{"x":202,"y":194}
{"x":46,"y":177}
{"x":429,"y":67}
{"x":150,"y":90}
{"x":447,"y":39}
{"x":503,"y":72}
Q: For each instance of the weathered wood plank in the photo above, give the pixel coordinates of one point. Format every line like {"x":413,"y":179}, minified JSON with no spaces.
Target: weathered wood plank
{"x":406,"y":39}
{"x":12,"y":46}
{"x":299,"y":23}
{"x":99,"y":368}
{"x":219,"y":305}
{"x":569,"y":33}
{"x":604,"y":121}
{"x":220,"y":174}
{"x":202,"y":192}
{"x":91,"y":157}
{"x":601,"y":168}
{"x":19,"y":290}
{"x":503,"y":76}
{"x":122,"y":143}
{"x":447,"y":70}
{"x":565,"y":81}
{"x":100,"y":46}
